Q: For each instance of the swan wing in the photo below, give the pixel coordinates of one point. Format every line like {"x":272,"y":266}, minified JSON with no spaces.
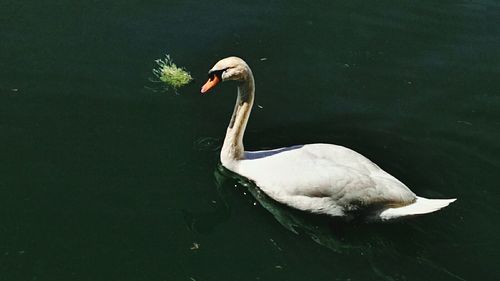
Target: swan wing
{"x":322,"y":178}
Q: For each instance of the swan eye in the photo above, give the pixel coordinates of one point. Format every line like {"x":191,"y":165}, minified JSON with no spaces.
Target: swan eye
{"x":217,"y":73}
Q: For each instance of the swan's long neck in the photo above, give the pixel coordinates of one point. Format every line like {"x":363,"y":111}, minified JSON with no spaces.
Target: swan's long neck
{"x":233,"y":149}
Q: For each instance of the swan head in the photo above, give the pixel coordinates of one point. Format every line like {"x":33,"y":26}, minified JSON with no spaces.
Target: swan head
{"x":230,"y":68}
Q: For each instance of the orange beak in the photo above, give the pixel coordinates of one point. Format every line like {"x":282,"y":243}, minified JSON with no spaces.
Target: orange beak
{"x":211,"y":83}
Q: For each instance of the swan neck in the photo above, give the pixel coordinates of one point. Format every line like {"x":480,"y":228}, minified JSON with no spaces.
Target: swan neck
{"x":232,"y":149}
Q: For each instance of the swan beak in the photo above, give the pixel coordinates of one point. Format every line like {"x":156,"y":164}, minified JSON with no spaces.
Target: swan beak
{"x":211,"y":83}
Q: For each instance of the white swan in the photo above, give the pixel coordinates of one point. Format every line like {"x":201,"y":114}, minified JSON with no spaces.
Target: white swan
{"x":318,"y":178}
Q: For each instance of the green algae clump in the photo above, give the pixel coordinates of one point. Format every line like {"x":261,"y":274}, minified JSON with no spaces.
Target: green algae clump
{"x":170,"y":74}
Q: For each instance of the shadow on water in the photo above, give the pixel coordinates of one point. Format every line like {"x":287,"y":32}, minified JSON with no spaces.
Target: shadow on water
{"x":323,"y":230}
{"x":382,"y":245}
{"x":375,"y":242}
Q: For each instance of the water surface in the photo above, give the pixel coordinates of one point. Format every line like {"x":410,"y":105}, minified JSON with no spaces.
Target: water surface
{"x":104,"y":179}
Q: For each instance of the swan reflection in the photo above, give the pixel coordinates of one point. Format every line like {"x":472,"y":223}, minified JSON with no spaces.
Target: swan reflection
{"x":324,"y":230}
{"x":355,"y":238}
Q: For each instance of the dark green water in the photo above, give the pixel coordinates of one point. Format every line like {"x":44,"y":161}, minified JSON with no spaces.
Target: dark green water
{"x":104,"y":179}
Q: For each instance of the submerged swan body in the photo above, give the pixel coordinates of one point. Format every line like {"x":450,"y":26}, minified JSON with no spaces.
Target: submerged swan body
{"x":318,"y":178}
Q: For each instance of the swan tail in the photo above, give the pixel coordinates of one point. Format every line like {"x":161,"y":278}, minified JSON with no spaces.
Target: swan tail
{"x":419,"y":207}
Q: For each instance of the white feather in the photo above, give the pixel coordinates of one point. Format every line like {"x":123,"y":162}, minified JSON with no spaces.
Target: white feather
{"x":419,"y":207}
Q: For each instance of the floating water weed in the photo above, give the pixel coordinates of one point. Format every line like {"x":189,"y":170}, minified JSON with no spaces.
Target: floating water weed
{"x":173,"y":76}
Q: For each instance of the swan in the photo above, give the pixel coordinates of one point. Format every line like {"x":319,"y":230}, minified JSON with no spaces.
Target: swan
{"x":318,"y":178}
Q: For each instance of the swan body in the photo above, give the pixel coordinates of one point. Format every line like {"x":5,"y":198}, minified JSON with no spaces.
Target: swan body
{"x":319,"y":178}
